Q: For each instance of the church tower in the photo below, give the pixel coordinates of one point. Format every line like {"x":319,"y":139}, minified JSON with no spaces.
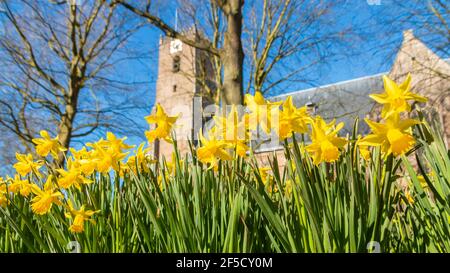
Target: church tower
{"x":183,"y":73}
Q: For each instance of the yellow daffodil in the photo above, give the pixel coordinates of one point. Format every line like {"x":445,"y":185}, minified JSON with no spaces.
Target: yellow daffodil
{"x":26,"y":165}
{"x":45,"y":198}
{"x":233,"y":131}
{"x":267,"y":179}
{"x":393,"y":136}
{"x":325,"y":143}
{"x":261,"y":111}
{"x":19,"y":185}
{"x":73,"y":176}
{"x":164,"y":125}
{"x":116,"y":145}
{"x":169,"y":171}
{"x":4,"y":201}
{"x":409,"y":197}
{"x":80,"y":216}
{"x":46,"y":145}
{"x":395,"y":98}
{"x":141,"y":158}
{"x":106,"y":158}
{"x":212,"y":150}
{"x":85,"y":160}
{"x":363,"y":149}
{"x":422,"y":181}
{"x":288,"y":187}
{"x":292,"y":120}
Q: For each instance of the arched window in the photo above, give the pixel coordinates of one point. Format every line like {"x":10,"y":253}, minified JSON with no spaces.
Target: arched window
{"x":176,"y":64}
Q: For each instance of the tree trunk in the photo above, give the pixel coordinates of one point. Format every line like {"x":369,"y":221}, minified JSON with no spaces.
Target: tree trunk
{"x":65,"y":131}
{"x":233,"y":54}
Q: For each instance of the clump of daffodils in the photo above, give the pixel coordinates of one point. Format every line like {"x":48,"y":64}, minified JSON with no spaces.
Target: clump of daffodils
{"x":228,"y":140}
{"x":393,"y":133}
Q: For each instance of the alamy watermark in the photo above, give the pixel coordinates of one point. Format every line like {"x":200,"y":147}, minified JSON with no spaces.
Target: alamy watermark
{"x":74,"y":247}
{"x":373,"y":247}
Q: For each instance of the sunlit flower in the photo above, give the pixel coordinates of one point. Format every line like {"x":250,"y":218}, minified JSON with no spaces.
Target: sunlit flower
{"x":409,"y":197}
{"x":85,"y":160}
{"x":164,"y":125}
{"x":261,"y":111}
{"x":292,"y":120}
{"x":267,"y":179}
{"x":141,"y":159}
{"x":106,"y":158}
{"x":169,"y":171}
{"x":116,"y":145}
{"x":4,"y":201}
{"x":288,"y":187}
{"x":80,"y":216}
{"x":212,"y":150}
{"x":19,"y":185}
{"x":73,"y":176}
{"x":325,"y":142}
{"x":45,"y":198}
{"x":46,"y":145}
{"x":395,"y":98}
{"x":26,"y":165}
{"x":393,"y":136}
{"x":233,"y":131}
{"x":363,"y":149}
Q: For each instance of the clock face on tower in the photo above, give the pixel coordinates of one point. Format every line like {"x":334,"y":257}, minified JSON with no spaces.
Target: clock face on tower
{"x":175,"y":46}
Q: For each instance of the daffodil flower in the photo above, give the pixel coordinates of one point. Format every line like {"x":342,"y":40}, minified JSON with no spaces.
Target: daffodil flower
{"x":117,"y":145}
{"x":261,"y":111}
{"x":4,"y":201}
{"x":19,"y":185}
{"x":267,"y":179}
{"x":325,"y":142}
{"x":80,"y":216}
{"x":395,"y":98}
{"x":85,"y":160}
{"x":164,"y":125}
{"x":292,"y":120}
{"x":212,"y":150}
{"x":26,"y":165}
{"x":45,"y":198}
{"x":363,"y":149}
{"x":73,"y":176}
{"x":107,"y":158}
{"x":233,"y":131}
{"x":393,"y":136}
{"x":141,"y":158}
{"x":47,"y":145}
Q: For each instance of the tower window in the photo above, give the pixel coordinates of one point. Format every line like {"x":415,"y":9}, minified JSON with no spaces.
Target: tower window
{"x":176,"y":64}
{"x":174,"y":88}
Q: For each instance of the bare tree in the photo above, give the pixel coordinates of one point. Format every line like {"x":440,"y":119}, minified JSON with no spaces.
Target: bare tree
{"x":60,"y":66}
{"x":286,"y":38}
